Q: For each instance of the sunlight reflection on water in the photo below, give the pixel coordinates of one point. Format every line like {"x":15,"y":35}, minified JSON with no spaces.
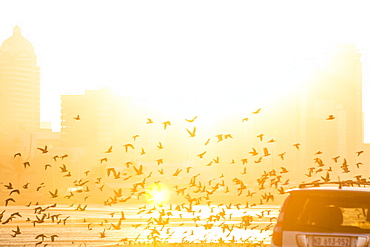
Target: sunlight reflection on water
{"x":85,"y":228}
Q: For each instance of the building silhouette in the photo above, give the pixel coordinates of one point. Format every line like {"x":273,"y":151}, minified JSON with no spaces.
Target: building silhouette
{"x":303,"y":117}
{"x":99,"y":119}
{"x":337,"y":91}
{"x":96,"y":120}
{"x":19,"y":85}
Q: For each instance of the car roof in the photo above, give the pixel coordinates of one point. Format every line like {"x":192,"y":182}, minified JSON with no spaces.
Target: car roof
{"x":331,"y":189}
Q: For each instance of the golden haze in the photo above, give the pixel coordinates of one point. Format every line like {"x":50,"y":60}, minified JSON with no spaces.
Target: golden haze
{"x":115,"y":150}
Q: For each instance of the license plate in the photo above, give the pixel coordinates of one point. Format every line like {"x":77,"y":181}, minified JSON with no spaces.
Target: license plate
{"x":331,"y":241}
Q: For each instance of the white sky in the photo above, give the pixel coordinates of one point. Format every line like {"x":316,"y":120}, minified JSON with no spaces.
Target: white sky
{"x":179,"y":47}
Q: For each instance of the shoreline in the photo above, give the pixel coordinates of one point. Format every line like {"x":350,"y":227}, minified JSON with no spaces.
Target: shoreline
{"x":191,"y":245}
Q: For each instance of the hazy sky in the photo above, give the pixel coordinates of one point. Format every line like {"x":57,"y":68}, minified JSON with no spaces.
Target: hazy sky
{"x":181,"y":48}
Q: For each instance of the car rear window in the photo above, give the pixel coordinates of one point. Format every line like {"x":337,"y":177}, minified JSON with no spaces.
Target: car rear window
{"x":328,"y":212}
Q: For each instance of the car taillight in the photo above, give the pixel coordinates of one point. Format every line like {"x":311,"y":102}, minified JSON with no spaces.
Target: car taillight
{"x":277,"y":235}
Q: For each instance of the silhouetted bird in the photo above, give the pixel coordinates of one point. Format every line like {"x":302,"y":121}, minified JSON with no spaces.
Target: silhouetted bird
{"x":191,"y":133}
{"x":330,"y":117}
{"x":44,"y":150}
{"x":257,"y":111}
{"x":191,"y":120}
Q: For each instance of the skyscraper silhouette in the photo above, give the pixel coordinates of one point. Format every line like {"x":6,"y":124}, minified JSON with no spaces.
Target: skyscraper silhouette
{"x":337,"y":91}
{"x":19,"y":85}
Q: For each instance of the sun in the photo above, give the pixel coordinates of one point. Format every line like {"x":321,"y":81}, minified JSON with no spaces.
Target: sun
{"x":157,"y":194}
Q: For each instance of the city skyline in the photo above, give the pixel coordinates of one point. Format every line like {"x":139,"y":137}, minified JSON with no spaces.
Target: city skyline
{"x":181,"y":122}
{"x":100,"y":118}
{"x":156,"y":49}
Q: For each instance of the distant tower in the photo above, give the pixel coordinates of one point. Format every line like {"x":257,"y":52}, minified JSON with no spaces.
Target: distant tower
{"x":337,"y":91}
{"x":346,"y":71}
{"x":19,"y":85}
{"x":103,"y":119}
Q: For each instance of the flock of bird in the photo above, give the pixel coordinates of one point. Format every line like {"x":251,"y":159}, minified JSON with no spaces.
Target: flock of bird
{"x":141,"y":185}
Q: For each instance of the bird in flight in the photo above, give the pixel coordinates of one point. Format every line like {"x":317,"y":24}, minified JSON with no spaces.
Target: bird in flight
{"x":191,"y":120}
{"x":16,"y":232}
{"x":43,"y":150}
{"x":55,"y":194}
{"x":207,"y":142}
{"x":52,"y":237}
{"x":201,"y":154}
{"x":8,"y":200}
{"x":220,"y":137}
{"x":159,"y":161}
{"x":228,"y":136}
{"x":177,"y":172}
{"x":257,"y":111}
{"x":127,"y":146}
{"x":266,"y":152}
{"x":102,"y":234}
{"x":330,"y":117}
{"x":283,"y":170}
{"x":109,"y":150}
{"x":114,"y":172}
{"x":326,"y":178}
{"x":282,"y":155}
{"x":9,"y":186}
{"x":17,"y":154}
{"x":254,"y":152}
{"x":166,"y":123}
{"x":63,"y":168}
{"x":259,"y":160}
{"x":260,"y":136}
{"x":160,"y":146}
{"x":14,"y":191}
{"x":296,"y":145}
{"x":139,"y":170}
{"x":64,"y":156}
{"x":191,"y":133}
{"x":336,"y":159}
{"x":216,"y":160}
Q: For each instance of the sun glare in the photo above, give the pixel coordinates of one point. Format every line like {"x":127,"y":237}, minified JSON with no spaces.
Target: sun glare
{"x":253,"y":90}
{"x":182,"y":108}
{"x":290,"y":78}
{"x":157,"y":194}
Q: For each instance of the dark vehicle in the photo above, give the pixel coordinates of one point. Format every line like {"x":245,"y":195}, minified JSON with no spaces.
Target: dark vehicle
{"x":324,"y":216}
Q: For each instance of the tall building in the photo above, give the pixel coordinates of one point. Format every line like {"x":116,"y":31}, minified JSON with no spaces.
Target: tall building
{"x":96,"y":119}
{"x":19,"y":85}
{"x":303,"y":118}
{"x":337,"y":91}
